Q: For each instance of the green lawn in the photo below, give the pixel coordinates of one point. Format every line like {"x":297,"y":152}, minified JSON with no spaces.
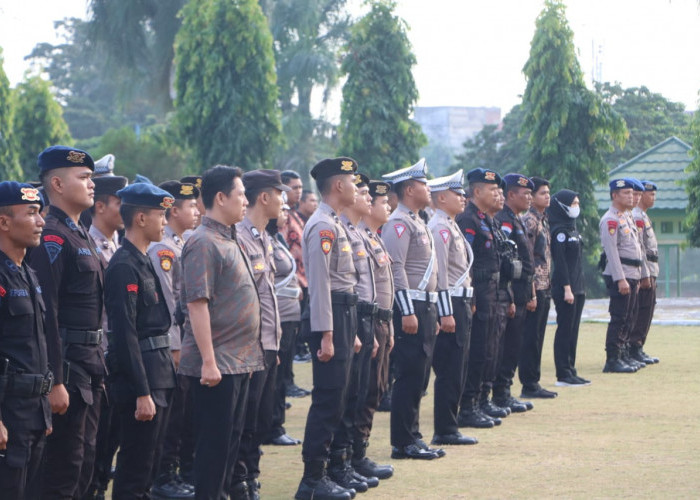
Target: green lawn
{"x":632,"y":435}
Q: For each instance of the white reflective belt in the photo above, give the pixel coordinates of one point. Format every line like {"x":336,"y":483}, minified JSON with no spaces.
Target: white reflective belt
{"x":428,"y":271}
{"x":465,"y":292}
{"x":420,"y":295}
{"x":287,"y":279}
{"x":289,"y":292}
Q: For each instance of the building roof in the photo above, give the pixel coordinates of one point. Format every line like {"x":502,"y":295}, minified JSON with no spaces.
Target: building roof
{"x":663,"y":164}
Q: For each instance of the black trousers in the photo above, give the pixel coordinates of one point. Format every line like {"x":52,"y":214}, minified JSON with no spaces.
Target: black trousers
{"x":645,"y":312}
{"x":483,"y":325}
{"x":108,"y":435}
{"x":412,"y":356}
{"x":377,"y":384}
{"x":258,"y":420}
{"x":357,"y":385}
{"x":494,"y":345}
{"x":138,"y":446}
{"x":285,"y":377}
{"x":533,"y":340}
{"x":623,"y":314}
{"x":178,"y":444}
{"x":566,"y":336}
{"x":512,"y":339}
{"x":219,"y":414}
{"x":450,"y":366}
{"x":330,"y":384}
{"x":20,"y":464}
{"x":70,"y":449}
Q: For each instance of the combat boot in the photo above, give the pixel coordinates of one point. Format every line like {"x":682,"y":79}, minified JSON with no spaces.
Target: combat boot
{"x":627,"y":358}
{"x":494,"y":410}
{"x":167,"y":485}
{"x":470,"y":416}
{"x":614,"y":364}
{"x":316,"y":485}
{"x":637,"y":354}
{"x":367,"y":467}
{"x":341,"y":473}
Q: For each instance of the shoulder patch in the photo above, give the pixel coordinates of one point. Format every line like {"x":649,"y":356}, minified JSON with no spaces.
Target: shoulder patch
{"x":52,"y":250}
{"x":445,"y":235}
{"x":54,"y":237}
{"x":612,"y":226}
{"x":470,"y":234}
{"x":3,"y":292}
{"x":132,"y":287}
{"x":400,"y":229}
{"x":326,"y":245}
{"x":640,"y":223}
{"x":166,"y":253}
{"x":561,"y":237}
{"x":166,"y":264}
{"x":507,"y":227}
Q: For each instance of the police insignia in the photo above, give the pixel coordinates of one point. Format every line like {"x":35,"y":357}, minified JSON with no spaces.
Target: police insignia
{"x":75,"y":157}
{"x":167,"y":202}
{"x":381,"y":189}
{"x":346,"y":166}
{"x":490,"y":176}
{"x":30,"y":194}
{"x":640,"y":224}
{"x":53,"y":245}
{"x":620,"y":183}
{"x":326,"y":245}
{"x":561,"y":237}
{"x":326,"y":233}
{"x":186,"y":190}
{"x":400,"y":229}
{"x":259,"y":266}
{"x":522,"y":181}
{"x":612,"y":226}
{"x":166,"y":264}
{"x":445,"y":234}
{"x":358,"y":179}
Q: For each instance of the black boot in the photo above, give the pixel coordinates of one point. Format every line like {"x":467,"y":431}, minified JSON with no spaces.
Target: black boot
{"x":316,"y":485}
{"x":341,"y":473}
{"x":494,"y":410}
{"x":371,"y":480}
{"x":470,"y":416}
{"x":239,"y":491}
{"x":614,"y":364}
{"x":637,"y":354}
{"x":625,"y":357}
{"x":367,"y":467}
{"x":253,"y":489}
{"x":168,"y":485}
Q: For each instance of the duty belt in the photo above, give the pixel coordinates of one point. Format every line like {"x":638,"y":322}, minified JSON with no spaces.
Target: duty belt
{"x":385,"y":314}
{"x":631,"y":262}
{"x":344,"y":298}
{"x":367,"y":308}
{"x":28,"y":385}
{"x":651,"y":257}
{"x":83,"y":337}
{"x":421,"y":296}
{"x":289,"y":292}
{"x":462,"y":292}
{"x":154,"y":343}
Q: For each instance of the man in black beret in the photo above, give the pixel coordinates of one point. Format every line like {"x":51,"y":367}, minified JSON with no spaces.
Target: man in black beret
{"x":71,"y":275}
{"x":195,"y":180}
{"x":141,"y":369}
{"x":25,"y":379}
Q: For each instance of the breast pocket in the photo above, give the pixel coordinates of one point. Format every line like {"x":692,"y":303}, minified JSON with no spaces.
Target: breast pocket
{"x":150,"y":293}
{"x":342,"y":258}
{"x":83,"y":283}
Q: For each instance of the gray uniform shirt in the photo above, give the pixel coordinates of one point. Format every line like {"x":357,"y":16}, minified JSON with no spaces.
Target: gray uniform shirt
{"x":383,"y":277}
{"x":258,"y":248}
{"x":363,"y":265}
{"x":406,"y":231}
{"x":328,"y":264}
{"x":286,"y":278}
{"x":165,"y":256}
{"x":650,"y":246}
{"x":619,"y":239}
{"x":106,"y":247}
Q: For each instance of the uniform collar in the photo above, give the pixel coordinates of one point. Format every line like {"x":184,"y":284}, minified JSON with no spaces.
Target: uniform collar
{"x":171,"y":234}
{"x":247,"y":224}
{"x":403,"y":208}
{"x":64,"y":218}
{"x":97,"y":234}
{"x":8,"y":263}
{"x":228,"y":232}
{"x":442,"y":214}
{"x":129,"y":246}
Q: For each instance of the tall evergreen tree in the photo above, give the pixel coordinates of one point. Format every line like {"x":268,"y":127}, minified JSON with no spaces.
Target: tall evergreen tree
{"x":38,"y":122}
{"x":379,"y":94}
{"x":568,"y":127}
{"x":9,"y":163}
{"x":692,"y":185}
{"x":225,"y":83}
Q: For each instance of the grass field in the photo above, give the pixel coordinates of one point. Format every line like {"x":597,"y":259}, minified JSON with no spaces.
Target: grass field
{"x":635,"y":435}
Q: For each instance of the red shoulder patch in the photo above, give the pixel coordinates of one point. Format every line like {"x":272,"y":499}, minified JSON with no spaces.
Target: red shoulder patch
{"x":640,"y":223}
{"x":3,"y":292}
{"x":166,"y":253}
{"x":612,"y":226}
{"x":132,"y":288}
{"x":470,"y":231}
{"x":55,"y":238}
{"x":400,"y":229}
{"x":326,"y":233}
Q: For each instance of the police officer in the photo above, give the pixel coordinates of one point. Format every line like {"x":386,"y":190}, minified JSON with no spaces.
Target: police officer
{"x":454,"y":260}
{"x":332,"y":318}
{"x":477,"y":226}
{"x":25,"y":379}
{"x":263,"y":190}
{"x":165,"y":256}
{"x":141,"y":368}
{"x":647,"y":296}
{"x":106,"y":223}
{"x":383,"y":332}
{"x":340,"y":469}
{"x":518,"y":200}
{"x":411,"y":247}
{"x":622,"y":272}
{"x":71,"y":276}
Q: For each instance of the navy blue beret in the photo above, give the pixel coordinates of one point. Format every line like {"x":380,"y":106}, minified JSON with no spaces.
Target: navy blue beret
{"x":62,"y":156}
{"x":17,"y":193}
{"x":616,"y":184}
{"x":479,"y":175}
{"x":518,"y":180}
{"x":636,"y":183}
{"x":146,"y":195}
{"x":649,"y":186}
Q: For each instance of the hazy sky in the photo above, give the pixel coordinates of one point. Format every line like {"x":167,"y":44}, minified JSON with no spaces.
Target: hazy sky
{"x":471,"y":52}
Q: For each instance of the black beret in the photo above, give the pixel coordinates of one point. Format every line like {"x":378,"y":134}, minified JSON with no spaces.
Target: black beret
{"x":17,"y":193}
{"x":333,"y":166}
{"x":361,"y":180}
{"x":193,"y":179}
{"x":263,"y":179}
{"x":483,"y":175}
{"x":62,"y":156}
{"x":109,"y":184}
{"x":145,"y":195}
{"x":379,"y":188}
{"x":180,"y":190}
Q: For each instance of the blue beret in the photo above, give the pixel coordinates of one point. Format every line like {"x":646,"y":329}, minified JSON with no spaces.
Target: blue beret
{"x":142,"y":179}
{"x":483,"y":175}
{"x":636,"y":183}
{"x":616,"y":184}
{"x":62,"y":157}
{"x":649,"y":186}
{"x":146,"y":195}
{"x":518,"y":180}
{"x":16,"y":193}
